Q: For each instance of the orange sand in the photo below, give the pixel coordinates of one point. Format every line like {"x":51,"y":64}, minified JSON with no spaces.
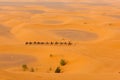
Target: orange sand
{"x":93,"y":27}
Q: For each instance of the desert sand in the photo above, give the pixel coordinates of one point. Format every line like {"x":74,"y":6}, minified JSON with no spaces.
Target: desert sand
{"x":92,"y":26}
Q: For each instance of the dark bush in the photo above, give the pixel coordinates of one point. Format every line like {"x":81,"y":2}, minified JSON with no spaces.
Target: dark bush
{"x":63,"y":62}
{"x":58,"y":70}
{"x":25,"y":67}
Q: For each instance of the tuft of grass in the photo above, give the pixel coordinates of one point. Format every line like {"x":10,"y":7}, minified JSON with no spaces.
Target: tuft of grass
{"x":63,"y":62}
{"x":24,"y":67}
{"x":58,"y":70}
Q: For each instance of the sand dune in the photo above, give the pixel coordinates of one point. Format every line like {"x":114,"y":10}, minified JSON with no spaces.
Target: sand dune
{"x":93,"y":27}
{"x":9,"y":60}
{"x":76,"y":35}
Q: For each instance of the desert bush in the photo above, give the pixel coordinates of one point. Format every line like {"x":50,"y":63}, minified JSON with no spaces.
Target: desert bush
{"x":63,"y":62}
{"x":58,"y":70}
{"x":25,"y":67}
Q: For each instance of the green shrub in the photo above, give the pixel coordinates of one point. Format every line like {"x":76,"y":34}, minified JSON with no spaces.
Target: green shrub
{"x":25,"y":67}
{"x":63,"y":62}
{"x":58,"y":70}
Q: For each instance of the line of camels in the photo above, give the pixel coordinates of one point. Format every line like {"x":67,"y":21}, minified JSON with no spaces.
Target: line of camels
{"x":48,"y":43}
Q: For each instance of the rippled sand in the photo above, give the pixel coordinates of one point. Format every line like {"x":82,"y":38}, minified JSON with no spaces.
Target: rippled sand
{"x":93,"y":26}
{"x":12,"y":60}
{"x":76,"y":35}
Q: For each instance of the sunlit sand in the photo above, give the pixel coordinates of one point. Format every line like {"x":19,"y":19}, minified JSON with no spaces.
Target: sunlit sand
{"x":76,"y":35}
{"x":10,"y":60}
{"x":91,"y":26}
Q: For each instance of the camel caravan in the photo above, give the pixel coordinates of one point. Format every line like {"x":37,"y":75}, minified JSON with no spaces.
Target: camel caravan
{"x":48,"y":43}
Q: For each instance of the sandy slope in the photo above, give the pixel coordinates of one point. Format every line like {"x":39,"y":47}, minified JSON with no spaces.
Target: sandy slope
{"x":92,"y":27}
